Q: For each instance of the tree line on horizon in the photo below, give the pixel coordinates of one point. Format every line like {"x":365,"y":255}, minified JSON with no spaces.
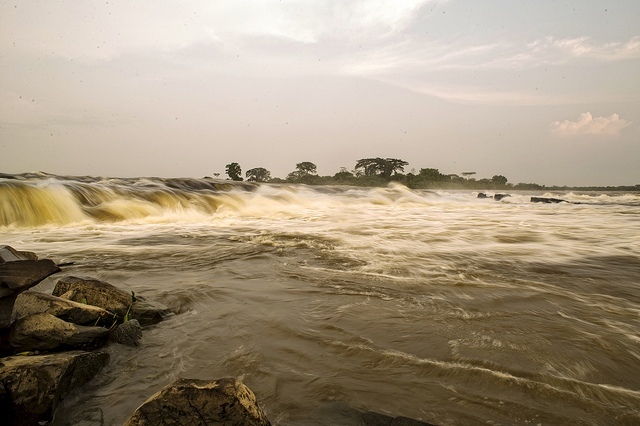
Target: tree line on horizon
{"x":381,"y":171}
{"x":375,"y":172}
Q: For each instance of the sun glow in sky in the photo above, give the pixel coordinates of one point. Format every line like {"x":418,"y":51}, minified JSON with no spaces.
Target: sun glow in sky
{"x":544,"y":91}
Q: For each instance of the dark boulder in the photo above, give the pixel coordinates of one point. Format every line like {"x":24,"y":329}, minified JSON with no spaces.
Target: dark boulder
{"x":128,"y":333}
{"x":483,"y":195}
{"x":225,"y":401}
{"x":499,"y":197}
{"x":99,"y":293}
{"x":44,"y":332}
{"x":34,"y":386}
{"x":546,"y":200}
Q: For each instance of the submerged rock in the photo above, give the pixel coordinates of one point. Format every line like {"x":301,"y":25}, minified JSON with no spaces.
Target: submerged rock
{"x":31,"y":302}
{"x":225,"y":401}
{"x":128,"y":333}
{"x":496,"y":197}
{"x":99,"y":293}
{"x":44,"y":332}
{"x":371,"y":418}
{"x":34,"y":386}
{"x":547,"y":200}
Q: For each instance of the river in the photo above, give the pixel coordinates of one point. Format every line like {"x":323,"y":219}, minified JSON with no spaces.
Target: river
{"x":434,"y":305}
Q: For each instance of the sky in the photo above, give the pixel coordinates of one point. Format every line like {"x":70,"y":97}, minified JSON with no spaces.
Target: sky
{"x":538,"y":91}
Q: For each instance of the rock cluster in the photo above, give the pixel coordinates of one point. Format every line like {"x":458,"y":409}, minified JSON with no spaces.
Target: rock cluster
{"x":49,"y":342}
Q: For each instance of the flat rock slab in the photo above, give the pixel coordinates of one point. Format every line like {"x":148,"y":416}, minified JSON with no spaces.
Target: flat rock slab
{"x":9,"y":254}
{"x":19,"y":271}
{"x":35,"y":385}
{"x":32,"y":302}
{"x":99,"y":293}
{"x":44,"y":332}
{"x":225,"y":401}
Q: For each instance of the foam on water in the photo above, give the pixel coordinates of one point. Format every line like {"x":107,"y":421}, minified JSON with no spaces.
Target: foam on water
{"x":466,"y":310}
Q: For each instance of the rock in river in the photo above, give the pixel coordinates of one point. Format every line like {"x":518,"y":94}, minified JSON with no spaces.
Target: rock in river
{"x":99,"y":293}
{"x":225,"y":401}
{"x":32,"y":302}
{"x":19,"y":271}
{"x":44,"y":332}
{"x":35,"y":385}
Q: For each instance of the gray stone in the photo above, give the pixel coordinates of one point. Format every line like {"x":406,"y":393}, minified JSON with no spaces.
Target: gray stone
{"x":19,"y":271}
{"x":225,"y":401}
{"x":102,"y":294}
{"x":128,"y":333}
{"x":31,"y":302}
{"x":9,"y":254}
{"x":21,"y":275}
{"x":44,"y":332}
{"x":35,"y":385}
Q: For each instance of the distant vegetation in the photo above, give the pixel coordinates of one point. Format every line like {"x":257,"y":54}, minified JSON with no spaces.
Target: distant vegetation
{"x":381,"y":171}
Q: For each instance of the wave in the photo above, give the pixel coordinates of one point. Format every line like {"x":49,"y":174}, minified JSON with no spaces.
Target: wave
{"x":39,"y":199}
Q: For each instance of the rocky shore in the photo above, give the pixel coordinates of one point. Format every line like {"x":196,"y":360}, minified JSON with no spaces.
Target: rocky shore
{"x":50,"y":346}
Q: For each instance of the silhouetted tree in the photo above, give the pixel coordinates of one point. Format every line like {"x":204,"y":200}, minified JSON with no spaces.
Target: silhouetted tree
{"x":383,"y":167}
{"x":499,"y":180}
{"x":307,"y":168}
{"x":234,"y":171}
{"x":303,"y":171}
{"x":433,"y":175}
{"x":343,"y":174}
{"x":259,"y":174}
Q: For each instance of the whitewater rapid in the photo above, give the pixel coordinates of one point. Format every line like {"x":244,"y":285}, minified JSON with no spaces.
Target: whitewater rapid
{"x":426,"y":304}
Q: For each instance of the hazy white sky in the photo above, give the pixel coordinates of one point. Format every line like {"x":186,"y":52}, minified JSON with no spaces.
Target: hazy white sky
{"x":539,"y":91}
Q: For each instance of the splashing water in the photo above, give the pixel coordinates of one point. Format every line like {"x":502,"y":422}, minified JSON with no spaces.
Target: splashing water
{"x":426,"y":304}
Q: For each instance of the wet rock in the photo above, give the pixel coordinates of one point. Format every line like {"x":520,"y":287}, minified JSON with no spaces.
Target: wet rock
{"x":19,"y":271}
{"x":35,"y":385}
{"x":371,"y":418}
{"x":31,"y":302}
{"x":44,"y":332}
{"x":99,"y":293}
{"x":9,"y":254}
{"x":128,"y":333}
{"x":496,"y":197}
{"x":225,"y":401}
{"x":546,"y":200}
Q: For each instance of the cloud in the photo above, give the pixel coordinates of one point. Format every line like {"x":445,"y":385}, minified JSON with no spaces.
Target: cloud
{"x":588,"y":125}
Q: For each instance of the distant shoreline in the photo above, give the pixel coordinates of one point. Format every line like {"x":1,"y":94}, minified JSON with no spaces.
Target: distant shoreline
{"x":469,"y":184}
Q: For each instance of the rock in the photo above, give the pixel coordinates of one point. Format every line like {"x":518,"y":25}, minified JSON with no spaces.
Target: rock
{"x":9,"y":254}
{"x":371,"y":418}
{"x":546,"y":200}
{"x":21,"y":275}
{"x":99,"y":293}
{"x":128,"y":333}
{"x":19,"y":271}
{"x":35,"y":385}
{"x":44,"y":332}
{"x":31,"y":302}
{"x":496,"y":197}
{"x":225,"y":401}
